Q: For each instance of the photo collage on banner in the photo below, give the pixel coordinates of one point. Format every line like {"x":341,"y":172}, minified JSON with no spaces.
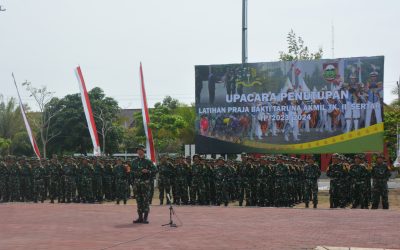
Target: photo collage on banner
{"x":316,"y":106}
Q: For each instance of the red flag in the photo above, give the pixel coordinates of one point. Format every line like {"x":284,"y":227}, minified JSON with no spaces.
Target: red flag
{"x":88,"y":112}
{"x":151,"y":154}
{"x":28,"y":128}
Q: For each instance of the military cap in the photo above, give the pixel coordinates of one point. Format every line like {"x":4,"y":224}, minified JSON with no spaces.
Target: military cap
{"x":196,"y":155}
{"x":140,"y":146}
{"x":380,"y":156}
{"x":373,"y":73}
{"x":336,"y":155}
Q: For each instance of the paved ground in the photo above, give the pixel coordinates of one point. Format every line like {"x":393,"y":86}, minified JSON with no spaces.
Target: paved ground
{"x":94,"y":226}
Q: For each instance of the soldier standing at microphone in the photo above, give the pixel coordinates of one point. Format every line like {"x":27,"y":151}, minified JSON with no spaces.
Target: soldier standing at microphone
{"x":143,"y":170}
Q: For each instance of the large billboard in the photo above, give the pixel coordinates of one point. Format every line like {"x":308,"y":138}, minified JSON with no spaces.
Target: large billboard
{"x":316,"y":106}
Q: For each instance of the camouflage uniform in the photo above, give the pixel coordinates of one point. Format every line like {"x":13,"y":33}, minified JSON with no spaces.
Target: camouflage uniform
{"x":70,"y":173}
{"x":380,"y":176}
{"x":143,"y":184}
{"x":263,"y":174}
{"x":358,"y":174}
{"x":181,"y":183}
{"x":26,"y":180}
{"x":311,"y":174}
{"x":13,"y":181}
{"x":281,"y":173}
{"x":337,"y":192}
{"x":121,"y":176}
{"x":86,"y":182}
{"x":221,"y":174}
{"x":4,"y":175}
{"x":98,"y":182}
{"x":54,"y":170}
{"x":197,"y":187}
{"x":39,"y":192}
{"x":165,"y":172}
{"x":108,"y":180}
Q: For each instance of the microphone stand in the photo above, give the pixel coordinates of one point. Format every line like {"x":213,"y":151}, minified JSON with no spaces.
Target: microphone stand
{"x":171,"y":212}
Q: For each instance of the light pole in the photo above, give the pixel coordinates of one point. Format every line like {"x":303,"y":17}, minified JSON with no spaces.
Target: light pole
{"x":244,"y":32}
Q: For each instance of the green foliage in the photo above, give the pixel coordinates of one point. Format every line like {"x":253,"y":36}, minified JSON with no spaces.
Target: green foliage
{"x":172,"y":125}
{"x":21,"y":145}
{"x":71,"y":124}
{"x":297,"y":50}
{"x":4,"y":146}
{"x":392,"y":119}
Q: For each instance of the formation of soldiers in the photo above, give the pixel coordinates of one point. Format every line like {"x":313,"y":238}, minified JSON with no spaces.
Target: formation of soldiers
{"x":350,"y":183}
{"x":65,"y":180}
{"x":267,"y":181}
{"x":273,"y":180}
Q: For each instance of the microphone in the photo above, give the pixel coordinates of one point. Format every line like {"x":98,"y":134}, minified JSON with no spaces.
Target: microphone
{"x":169,"y":197}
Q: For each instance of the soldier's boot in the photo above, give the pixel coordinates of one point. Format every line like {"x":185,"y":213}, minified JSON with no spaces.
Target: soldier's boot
{"x":145,"y":221}
{"x":124,"y":201}
{"x":240,"y":203}
{"x":51,"y":201}
{"x":117,"y":202}
{"x":42,"y":200}
{"x":226,"y":204}
{"x":162,"y":201}
{"x":307,"y":206}
{"x":35,"y":200}
{"x":315,"y":205}
{"x":139,"y":219}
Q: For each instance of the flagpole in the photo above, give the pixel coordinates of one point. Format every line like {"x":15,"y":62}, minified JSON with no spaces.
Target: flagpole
{"x":27,"y":126}
{"x":87,"y":108}
{"x":146,"y":120}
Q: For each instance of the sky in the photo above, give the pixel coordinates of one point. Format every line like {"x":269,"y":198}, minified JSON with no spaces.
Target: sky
{"x":42,"y":41}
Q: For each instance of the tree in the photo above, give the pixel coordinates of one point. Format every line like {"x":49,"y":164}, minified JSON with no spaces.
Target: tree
{"x":71,"y":122}
{"x":4,"y":146}
{"x":105,"y":112}
{"x":297,"y":50}
{"x":10,"y":118}
{"x":168,"y":124}
{"x":49,"y":107}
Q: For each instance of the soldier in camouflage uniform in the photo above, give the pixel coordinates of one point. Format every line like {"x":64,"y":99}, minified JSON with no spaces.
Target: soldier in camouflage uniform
{"x":245,"y":174}
{"x":121,"y":176}
{"x":181,"y":182}
{"x":221,"y":173}
{"x":39,"y":192}
{"x":197,"y":188}
{"x":98,"y":180}
{"x":311,"y":174}
{"x":358,"y":173}
{"x":54,"y":170}
{"x":380,"y":176}
{"x":86,"y":181}
{"x":26,"y":180}
{"x":209,"y":185}
{"x":281,"y":174}
{"x":143,"y":170}
{"x":263,"y":174}
{"x":165,"y":172}
{"x":14,"y":180}
{"x":4,"y":175}
{"x":70,"y":171}
{"x":337,"y":173}
{"x":108,"y":181}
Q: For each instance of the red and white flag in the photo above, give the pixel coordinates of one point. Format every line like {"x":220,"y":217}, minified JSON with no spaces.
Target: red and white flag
{"x":27,"y":126}
{"x":88,"y":112}
{"x":150,"y":151}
